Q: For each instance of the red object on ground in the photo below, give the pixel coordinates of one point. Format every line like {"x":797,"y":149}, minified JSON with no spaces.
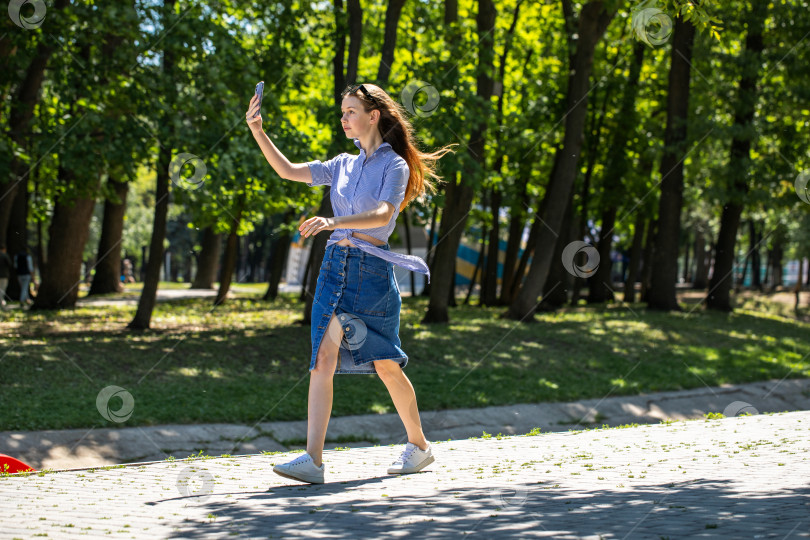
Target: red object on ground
{"x":10,"y":465}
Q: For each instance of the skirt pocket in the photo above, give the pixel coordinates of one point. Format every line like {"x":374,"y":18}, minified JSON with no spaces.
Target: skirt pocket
{"x":373,"y":288}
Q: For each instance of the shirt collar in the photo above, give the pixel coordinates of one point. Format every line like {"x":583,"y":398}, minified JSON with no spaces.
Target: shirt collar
{"x":357,"y":144}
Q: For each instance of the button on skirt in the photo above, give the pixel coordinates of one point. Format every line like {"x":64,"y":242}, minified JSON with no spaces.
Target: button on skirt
{"x":362,"y":291}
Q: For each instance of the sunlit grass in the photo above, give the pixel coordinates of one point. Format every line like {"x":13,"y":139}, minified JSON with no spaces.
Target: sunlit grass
{"x":247,"y":361}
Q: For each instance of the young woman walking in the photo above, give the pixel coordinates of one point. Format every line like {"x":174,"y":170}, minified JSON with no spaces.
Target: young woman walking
{"x":355,"y":310}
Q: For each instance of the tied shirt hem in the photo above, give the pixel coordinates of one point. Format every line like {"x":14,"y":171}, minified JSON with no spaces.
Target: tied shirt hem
{"x":410,"y":262}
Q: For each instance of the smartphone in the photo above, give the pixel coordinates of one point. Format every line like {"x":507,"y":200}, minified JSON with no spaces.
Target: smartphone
{"x":260,"y":93}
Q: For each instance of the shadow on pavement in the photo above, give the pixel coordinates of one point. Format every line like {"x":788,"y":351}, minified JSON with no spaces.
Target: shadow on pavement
{"x":706,"y":508}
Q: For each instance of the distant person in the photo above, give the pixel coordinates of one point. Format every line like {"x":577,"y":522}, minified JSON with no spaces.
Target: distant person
{"x":24,"y":266}
{"x":128,"y":276}
{"x":357,"y":299}
{"x":5,"y":273}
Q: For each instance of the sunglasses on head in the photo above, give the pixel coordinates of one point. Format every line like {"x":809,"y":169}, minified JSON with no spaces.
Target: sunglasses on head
{"x":362,"y":88}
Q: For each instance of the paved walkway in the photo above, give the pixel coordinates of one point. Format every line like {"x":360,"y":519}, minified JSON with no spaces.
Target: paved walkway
{"x":95,"y":447}
{"x":738,"y":477}
{"x":163,"y":295}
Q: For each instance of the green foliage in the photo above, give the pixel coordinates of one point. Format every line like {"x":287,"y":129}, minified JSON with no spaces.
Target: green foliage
{"x":107,"y":107}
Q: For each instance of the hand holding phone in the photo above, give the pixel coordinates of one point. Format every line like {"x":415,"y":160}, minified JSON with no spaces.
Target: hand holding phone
{"x":253,"y":115}
{"x":260,"y":93}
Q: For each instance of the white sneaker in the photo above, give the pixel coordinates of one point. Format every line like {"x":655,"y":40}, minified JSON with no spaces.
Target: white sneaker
{"x":301,"y":468}
{"x":413,"y":459}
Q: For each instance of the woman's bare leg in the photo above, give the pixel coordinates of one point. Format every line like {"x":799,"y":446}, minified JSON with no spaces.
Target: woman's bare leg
{"x":320,"y":390}
{"x":404,"y":398}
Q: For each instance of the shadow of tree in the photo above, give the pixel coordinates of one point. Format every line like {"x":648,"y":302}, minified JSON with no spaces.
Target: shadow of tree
{"x":514,"y":510}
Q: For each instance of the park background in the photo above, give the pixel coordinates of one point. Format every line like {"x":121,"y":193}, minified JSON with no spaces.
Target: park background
{"x":626,"y":212}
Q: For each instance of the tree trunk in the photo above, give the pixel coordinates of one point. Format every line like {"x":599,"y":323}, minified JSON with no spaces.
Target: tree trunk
{"x":355,"y":39}
{"x":593,"y":21}
{"x":67,"y":236}
{"x":229,"y":261}
{"x":687,"y":275}
{"x":490,"y":274}
{"x":279,"y":254}
{"x":107,"y":278}
{"x":409,"y":246}
{"x":208,"y":261}
{"x":581,"y":223}
{"x":146,"y":303}
{"x":701,"y":263}
{"x":720,"y":285}
{"x":459,"y":196}
{"x":338,"y":74}
{"x":517,"y":224}
{"x":489,"y":281}
{"x":450,"y":11}
{"x":665,"y":258}
{"x":279,"y":251}
{"x":392,"y":15}
{"x":776,"y":271}
{"x":635,"y":258}
{"x":451,"y":32}
{"x":600,"y":286}
{"x":649,"y":253}
{"x":228,"y":265}
{"x":559,"y":282}
{"x":738,"y":168}
{"x":520,"y":272}
{"x":479,"y":262}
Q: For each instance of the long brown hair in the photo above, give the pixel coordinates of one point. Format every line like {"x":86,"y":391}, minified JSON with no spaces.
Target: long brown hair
{"x":397,"y":131}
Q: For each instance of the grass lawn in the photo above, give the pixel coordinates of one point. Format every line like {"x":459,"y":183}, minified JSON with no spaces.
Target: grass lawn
{"x":248,"y":360}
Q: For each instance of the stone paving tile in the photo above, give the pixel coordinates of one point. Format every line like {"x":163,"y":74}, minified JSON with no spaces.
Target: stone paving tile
{"x":741,"y":477}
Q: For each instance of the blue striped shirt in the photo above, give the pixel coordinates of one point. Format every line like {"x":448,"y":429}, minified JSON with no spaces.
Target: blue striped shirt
{"x":358,"y":185}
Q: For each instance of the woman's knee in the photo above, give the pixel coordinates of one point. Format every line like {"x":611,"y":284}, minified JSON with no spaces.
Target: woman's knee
{"x":322,"y":369}
{"x":387,"y":369}
{"x":325,"y":364}
{"x":327,"y":357}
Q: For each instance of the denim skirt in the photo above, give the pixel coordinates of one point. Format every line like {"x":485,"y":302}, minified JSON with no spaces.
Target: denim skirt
{"x":362,"y":291}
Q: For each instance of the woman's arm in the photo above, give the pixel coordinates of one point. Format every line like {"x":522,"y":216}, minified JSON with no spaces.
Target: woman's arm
{"x":370,"y":219}
{"x":298,"y":172}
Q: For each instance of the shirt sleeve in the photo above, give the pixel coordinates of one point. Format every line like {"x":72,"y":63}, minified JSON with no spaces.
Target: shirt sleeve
{"x":395,"y":183}
{"x":324,"y":171}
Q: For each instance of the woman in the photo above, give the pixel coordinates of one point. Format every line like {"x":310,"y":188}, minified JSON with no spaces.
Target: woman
{"x":357,"y":300}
